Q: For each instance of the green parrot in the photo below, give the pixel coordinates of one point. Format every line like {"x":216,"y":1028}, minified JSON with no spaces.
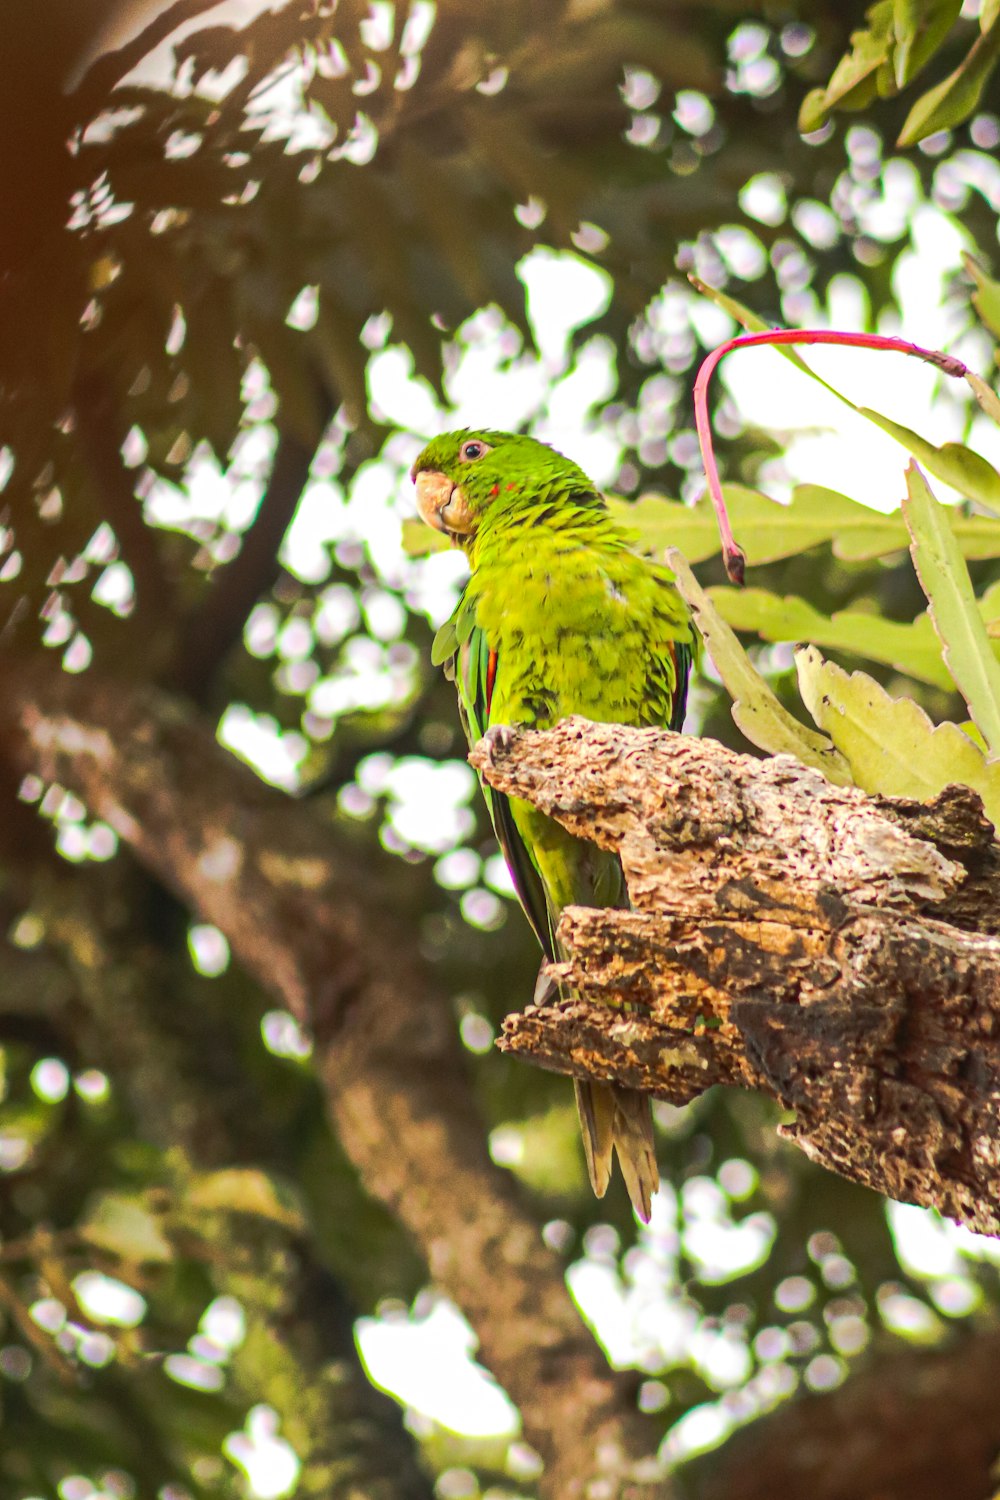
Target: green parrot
{"x":560,"y":616}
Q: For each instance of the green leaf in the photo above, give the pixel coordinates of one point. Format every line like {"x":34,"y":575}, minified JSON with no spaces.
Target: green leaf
{"x":421,"y":540}
{"x":953,"y":100}
{"x":756,"y":710}
{"x":985,"y":395}
{"x":814,"y":111}
{"x":856,"y":532}
{"x":986,"y":298}
{"x":739,"y":312}
{"x":853,"y":83}
{"x":989,"y":609}
{"x":977,"y":536}
{"x":659,"y":523}
{"x":128,"y":1228}
{"x":912,"y":648}
{"x":770,"y":531}
{"x":245,"y":1190}
{"x":890,"y":744}
{"x":964,"y":470}
{"x":971,"y":732}
{"x":920,"y":26}
{"x":945,"y":580}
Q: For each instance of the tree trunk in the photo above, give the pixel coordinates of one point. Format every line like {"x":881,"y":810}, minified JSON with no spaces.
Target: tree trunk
{"x":835,"y":950}
{"x":317,"y":932}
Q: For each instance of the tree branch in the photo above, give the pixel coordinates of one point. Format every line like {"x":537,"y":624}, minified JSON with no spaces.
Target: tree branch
{"x":101,"y":432}
{"x":310,"y":925}
{"x":832,"y":949}
{"x":216,"y":624}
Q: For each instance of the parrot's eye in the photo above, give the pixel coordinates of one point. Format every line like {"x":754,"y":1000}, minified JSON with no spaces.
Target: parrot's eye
{"x":472,"y":450}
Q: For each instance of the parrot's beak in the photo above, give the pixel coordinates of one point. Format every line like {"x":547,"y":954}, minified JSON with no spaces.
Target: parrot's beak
{"x":442,"y":503}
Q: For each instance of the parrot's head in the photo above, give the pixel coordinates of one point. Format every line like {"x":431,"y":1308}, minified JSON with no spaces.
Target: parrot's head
{"x":465,"y":479}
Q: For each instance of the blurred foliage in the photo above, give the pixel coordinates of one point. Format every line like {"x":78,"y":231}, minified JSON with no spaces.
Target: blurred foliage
{"x":900,"y":39}
{"x":217,"y":239}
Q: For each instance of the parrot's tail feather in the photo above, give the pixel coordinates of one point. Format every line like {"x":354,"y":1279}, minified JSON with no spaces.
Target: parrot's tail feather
{"x":595,"y":1104}
{"x":546,"y":988}
{"x":617,"y":1119}
{"x":636,"y":1149}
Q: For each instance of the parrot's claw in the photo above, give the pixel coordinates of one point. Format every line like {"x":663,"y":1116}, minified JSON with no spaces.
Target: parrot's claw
{"x":499,"y":737}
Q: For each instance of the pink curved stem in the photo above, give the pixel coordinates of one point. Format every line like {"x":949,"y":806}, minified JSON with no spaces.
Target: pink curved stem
{"x":732,"y":554}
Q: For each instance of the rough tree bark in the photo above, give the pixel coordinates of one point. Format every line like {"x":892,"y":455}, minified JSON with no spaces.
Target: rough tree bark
{"x":835,"y":950}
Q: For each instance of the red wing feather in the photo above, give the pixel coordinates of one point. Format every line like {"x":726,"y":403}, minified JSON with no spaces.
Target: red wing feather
{"x":491,"y":677}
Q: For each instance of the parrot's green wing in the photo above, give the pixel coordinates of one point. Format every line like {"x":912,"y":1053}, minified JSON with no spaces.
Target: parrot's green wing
{"x":684,"y":657}
{"x":465,"y":651}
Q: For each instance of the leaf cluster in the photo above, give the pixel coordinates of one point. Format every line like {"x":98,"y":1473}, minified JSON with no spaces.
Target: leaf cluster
{"x":900,"y":39}
{"x":881,"y":743}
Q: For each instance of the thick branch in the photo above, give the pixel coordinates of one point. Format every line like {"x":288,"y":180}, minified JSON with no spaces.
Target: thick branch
{"x":217,"y":623}
{"x":101,"y":431}
{"x":787,"y":935}
{"x":315,"y":930}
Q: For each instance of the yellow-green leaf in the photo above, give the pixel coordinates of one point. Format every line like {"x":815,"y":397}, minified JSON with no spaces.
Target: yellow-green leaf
{"x":912,"y":648}
{"x":853,"y":83}
{"x":953,"y":100}
{"x":420,"y":540}
{"x":969,"y":729}
{"x":945,"y":580}
{"x":966,"y":471}
{"x":245,"y":1190}
{"x":813,"y":112}
{"x":985,"y":395}
{"x":890,"y":744}
{"x":986,"y":298}
{"x":920,"y":27}
{"x":756,"y":710}
{"x":989,"y":606}
{"x":770,"y":531}
{"x":977,"y":536}
{"x":126,"y":1226}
